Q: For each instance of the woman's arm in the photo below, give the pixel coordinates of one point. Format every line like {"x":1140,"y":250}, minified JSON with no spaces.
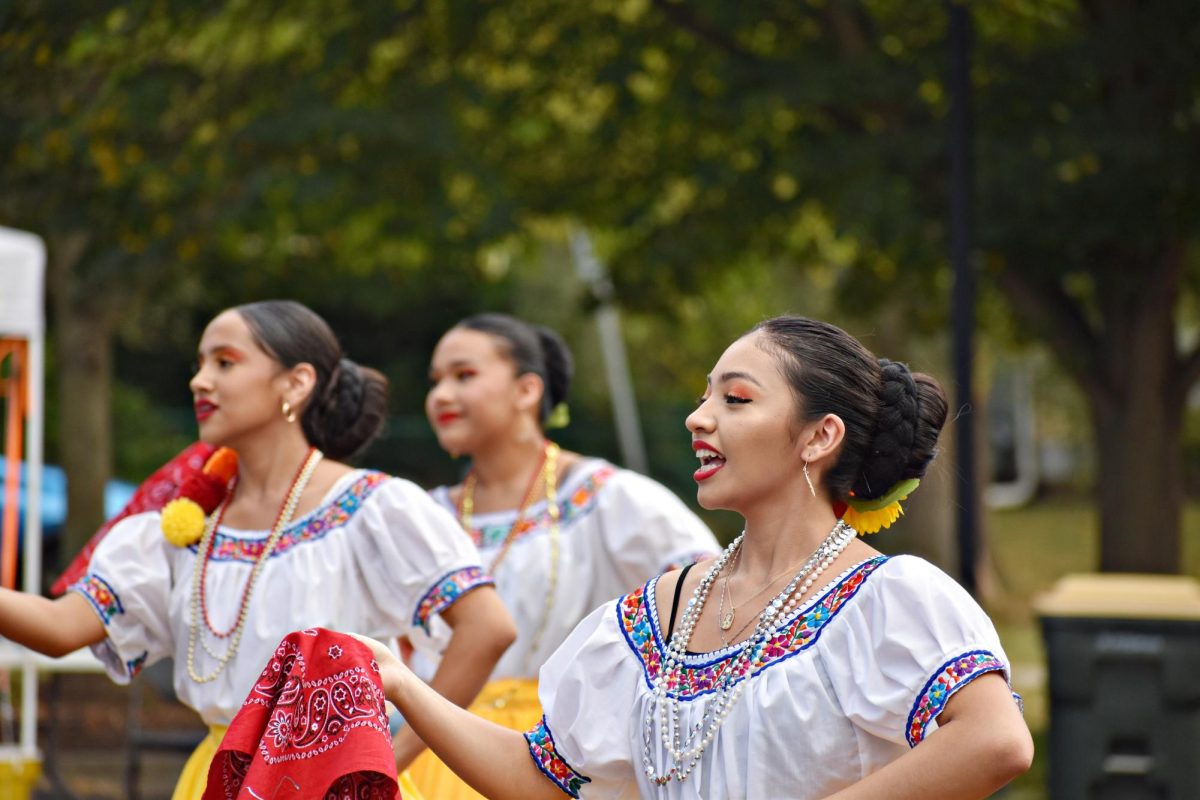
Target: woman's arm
{"x":483,"y":630}
{"x":494,"y":760}
{"x":51,"y":627}
{"x":981,"y":744}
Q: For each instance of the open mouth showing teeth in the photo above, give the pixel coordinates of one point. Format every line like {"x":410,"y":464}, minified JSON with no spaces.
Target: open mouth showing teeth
{"x":709,"y":457}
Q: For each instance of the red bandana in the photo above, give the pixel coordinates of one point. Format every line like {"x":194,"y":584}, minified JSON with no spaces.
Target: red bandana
{"x":313,"y":726}
{"x":154,"y":493}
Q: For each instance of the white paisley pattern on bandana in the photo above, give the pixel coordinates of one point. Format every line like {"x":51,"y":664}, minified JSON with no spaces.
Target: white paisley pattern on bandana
{"x":310,"y":717}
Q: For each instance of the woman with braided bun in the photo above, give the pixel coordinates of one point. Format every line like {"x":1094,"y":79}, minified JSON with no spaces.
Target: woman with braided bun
{"x":296,"y":539}
{"x":560,"y":532}
{"x":801,"y":662}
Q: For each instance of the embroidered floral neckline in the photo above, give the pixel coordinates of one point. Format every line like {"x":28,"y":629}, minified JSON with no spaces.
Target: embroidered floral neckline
{"x":638,"y":620}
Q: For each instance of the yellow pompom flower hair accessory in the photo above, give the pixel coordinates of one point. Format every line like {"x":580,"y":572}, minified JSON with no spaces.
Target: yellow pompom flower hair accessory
{"x":199,"y":495}
{"x":872,"y":516}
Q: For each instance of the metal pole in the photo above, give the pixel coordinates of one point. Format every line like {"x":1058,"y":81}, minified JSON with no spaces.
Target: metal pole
{"x":616,"y":365}
{"x":963,"y":295}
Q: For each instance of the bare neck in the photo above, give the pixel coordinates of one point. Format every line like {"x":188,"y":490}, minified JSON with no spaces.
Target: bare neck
{"x":506,"y":467}
{"x":783,"y":530}
{"x":268,"y":465}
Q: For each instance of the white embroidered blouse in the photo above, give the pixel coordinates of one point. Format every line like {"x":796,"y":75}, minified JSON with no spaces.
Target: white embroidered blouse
{"x":617,"y":528}
{"x":375,"y":557}
{"x":853,"y":679}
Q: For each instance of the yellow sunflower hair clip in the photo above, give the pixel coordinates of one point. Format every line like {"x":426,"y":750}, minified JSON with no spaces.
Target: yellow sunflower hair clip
{"x":872,"y":516}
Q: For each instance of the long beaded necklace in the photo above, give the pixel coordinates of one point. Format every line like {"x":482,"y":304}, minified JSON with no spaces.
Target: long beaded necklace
{"x":721,"y":627}
{"x":547,"y":471}
{"x":685,"y":753}
{"x":199,"y":610}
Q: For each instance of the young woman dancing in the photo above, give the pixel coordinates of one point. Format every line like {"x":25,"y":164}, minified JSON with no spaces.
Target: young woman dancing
{"x":801,"y":662}
{"x":561,"y":533}
{"x":299,"y":540}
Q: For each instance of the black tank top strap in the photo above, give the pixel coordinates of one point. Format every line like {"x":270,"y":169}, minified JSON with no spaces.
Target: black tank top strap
{"x":675,"y":603}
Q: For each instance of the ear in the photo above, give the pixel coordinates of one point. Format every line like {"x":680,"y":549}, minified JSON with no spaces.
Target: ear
{"x":297,"y":384}
{"x":821,"y":438}
{"x":530,"y":389}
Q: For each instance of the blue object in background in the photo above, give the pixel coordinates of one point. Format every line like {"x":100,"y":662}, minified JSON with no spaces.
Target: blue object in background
{"x":54,"y":497}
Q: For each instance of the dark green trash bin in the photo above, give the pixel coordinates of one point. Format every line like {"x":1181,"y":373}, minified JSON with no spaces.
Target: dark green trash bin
{"x":1123,"y":655}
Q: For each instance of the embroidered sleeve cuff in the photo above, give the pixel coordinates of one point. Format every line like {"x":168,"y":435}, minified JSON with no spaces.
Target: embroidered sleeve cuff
{"x":545,"y":756}
{"x":104,"y":600}
{"x":948,"y":679}
{"x":446,"y":592}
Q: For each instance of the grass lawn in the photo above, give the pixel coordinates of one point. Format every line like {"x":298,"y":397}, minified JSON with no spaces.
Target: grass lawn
{"x":1030,"y":549}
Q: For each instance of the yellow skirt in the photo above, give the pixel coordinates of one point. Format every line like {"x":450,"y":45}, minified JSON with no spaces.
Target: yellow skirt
{"x":194,"y":778}
{"x":510,"y":702}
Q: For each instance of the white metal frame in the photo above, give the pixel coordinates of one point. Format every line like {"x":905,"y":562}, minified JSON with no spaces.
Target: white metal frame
{"x":22,"y":276}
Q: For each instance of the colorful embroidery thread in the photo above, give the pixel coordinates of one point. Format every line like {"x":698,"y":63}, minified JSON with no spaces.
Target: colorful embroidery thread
{"x":581,"y":501}
{"x":100,"y":595}
{"x":545,"y":755}
{"x":321,"y":522}
{"x":948,"y":679}
{"x":447,"y":590}
{"x":634,"y":617}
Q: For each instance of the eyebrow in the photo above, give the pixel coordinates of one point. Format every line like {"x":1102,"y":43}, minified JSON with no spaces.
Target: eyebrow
{"x":224,"y":349}
{"x":726,"y":377}
{"x":456,"y":363}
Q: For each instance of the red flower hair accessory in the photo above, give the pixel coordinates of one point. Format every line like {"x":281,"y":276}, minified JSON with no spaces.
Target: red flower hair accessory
{"x":151,"y":495}
{"x":199,"y":495}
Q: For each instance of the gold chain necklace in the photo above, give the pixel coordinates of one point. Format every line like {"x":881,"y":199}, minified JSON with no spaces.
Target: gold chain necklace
{"x":721,"y":620}
{"x":548,"y":472}
{"x":199,"y":607}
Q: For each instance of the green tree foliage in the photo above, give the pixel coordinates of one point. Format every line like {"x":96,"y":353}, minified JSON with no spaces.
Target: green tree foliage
{"x":177,"y":156}
{"x":411,"y":147}
{"x":703,"y":136}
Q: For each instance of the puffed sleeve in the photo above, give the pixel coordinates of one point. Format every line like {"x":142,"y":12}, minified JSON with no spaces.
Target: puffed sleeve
{"x":647,"y":530}
{"x":898,"y":655}
{"x":414,"y":559}
{"x":128,"y":584}
{"x":586,"y":689}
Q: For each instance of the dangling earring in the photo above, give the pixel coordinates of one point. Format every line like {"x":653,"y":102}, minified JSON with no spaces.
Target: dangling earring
{"x":811,"y":488}
{"x":288,"y":414}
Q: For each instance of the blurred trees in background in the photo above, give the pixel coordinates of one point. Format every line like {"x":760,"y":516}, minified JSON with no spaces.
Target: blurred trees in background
{"x":400,"y":164}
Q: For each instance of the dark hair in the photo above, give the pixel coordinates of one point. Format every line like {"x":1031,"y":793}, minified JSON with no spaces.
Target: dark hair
{"x":532,"y":348}
{"x":348,"y":404}
{"x":892,"y":416}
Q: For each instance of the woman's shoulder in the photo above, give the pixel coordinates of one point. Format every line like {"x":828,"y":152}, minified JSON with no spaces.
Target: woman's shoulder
{"x":914,"y":574}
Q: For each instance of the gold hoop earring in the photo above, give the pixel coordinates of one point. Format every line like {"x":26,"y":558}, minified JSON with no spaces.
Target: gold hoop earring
{"x":288,"y":413}
{"x":811,"y":488}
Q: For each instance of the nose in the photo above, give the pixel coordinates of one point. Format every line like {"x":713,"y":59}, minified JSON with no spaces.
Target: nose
{"x":200,"y":382}
{"x":699,"y":421}
{"x":438,"y":393}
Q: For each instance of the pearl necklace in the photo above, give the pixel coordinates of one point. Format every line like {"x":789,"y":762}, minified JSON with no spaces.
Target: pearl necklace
{"x":685,"y":753}
{"x":199,"y":607}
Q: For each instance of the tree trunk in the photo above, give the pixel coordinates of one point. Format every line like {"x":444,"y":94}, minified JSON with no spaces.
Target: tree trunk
{"x":83,"y":335}
{"x":1125,"y":358}
{"x":1138,"y":425}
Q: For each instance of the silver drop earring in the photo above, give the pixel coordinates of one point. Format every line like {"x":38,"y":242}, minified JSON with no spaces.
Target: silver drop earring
{"x":811,"y":488}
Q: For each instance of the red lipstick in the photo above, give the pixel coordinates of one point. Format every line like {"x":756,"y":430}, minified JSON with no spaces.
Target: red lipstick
{"x":446,"y":417}
{"x":204,"y":409}
{"x":711,"y":460}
